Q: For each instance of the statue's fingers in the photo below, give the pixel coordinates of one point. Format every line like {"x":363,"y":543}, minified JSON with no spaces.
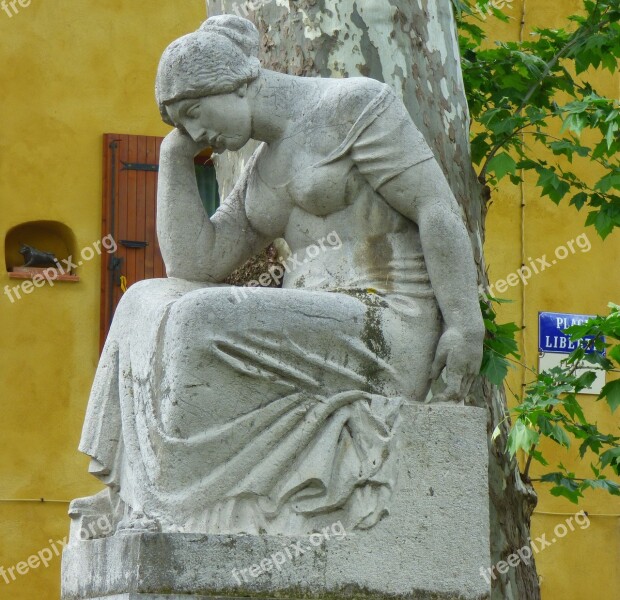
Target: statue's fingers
{"x":454,"y":384}
{"x":468,"y":381}
{"x":441,"y":357}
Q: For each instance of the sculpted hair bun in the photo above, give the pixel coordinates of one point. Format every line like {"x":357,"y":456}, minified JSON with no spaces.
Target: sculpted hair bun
{"x":218,"y":58}
{"x":238,"y":30}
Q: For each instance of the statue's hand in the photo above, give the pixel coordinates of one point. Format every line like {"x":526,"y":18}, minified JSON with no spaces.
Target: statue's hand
{"x":178,"y":143}
{"x":461,"y":353}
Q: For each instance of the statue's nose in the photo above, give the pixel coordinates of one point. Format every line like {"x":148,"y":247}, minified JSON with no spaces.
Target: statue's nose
{"x":212,"y":136}
{"x":198,"y":134}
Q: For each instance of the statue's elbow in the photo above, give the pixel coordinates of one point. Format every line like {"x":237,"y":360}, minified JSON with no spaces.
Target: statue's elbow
{"x":189,"y":272}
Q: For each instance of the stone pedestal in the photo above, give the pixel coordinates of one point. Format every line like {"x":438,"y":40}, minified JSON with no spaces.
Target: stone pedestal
{"x":431,"y":546}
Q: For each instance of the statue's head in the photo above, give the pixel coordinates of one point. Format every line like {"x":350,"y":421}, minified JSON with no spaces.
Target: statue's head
{"x":220,"y":59}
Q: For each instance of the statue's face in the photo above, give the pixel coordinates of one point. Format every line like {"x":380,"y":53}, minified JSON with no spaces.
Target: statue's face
{"x":223,"y":122}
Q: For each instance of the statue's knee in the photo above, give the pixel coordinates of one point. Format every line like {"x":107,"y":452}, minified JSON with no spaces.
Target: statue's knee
{"x":202,"y":307}
{"x":137,"y":291}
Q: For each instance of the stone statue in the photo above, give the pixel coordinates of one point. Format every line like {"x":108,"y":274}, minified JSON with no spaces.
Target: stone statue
{"x":264,"y":412}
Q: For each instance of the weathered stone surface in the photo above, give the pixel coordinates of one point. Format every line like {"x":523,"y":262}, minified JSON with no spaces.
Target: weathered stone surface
{"x":234,"y":428}
{"x":216,"y":410}
{"x":432,"y":544}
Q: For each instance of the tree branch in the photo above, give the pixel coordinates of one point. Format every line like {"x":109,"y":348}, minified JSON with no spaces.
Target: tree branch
{"x":578,"y":37}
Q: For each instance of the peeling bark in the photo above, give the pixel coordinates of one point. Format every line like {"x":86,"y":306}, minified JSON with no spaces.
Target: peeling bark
{"x":411,"y":45}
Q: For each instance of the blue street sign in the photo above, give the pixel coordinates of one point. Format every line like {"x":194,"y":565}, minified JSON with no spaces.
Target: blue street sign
{"x":550,"y":336}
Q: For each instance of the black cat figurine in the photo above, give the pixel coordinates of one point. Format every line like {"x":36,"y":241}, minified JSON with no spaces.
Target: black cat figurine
{"x":37,"y":258}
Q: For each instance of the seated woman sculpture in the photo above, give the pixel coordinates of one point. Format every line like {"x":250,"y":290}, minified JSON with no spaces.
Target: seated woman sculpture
{"x":219,"y":412}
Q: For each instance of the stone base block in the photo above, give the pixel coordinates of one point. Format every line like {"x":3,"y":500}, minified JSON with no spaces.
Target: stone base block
{"x":430,"y":547}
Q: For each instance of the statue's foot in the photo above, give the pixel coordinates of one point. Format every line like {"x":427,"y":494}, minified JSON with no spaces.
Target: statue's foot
{"x":92,"y":517}
{"x":91,"y":505}
{"x":138,"y":522}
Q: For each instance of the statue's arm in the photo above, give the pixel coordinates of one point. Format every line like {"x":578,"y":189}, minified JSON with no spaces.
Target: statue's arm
{"x":397,"y":162}
{"x":193,"y":246}
{"x":422,"y":194}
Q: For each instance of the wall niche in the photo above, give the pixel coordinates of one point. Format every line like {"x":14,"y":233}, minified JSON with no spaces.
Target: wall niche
{"x":45,"y":236}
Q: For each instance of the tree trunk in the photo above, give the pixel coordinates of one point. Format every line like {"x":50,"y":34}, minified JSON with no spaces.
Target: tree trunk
{"x":412,"y":46}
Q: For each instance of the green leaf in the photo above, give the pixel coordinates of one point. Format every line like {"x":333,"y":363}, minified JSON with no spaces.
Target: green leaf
{"x":611,"y":393}
{"x":559,"y":435}
{"x":603,"y":484}
{"x":494,"y":368}
{"x":585,"y":380}
{"x":548,"y":180}
{"x":557,"y":194}
{"x":565,"y":485}
{"x":573,"y":408}
{"x":610,"y":62}
{"x":502,"y":164}
{"x":566,"y":148}
{"x":558,"y":491}
{"x":611,"y":458}
{"x":612,"y":180}
{"x":538,"y":457}
{"x":615,"y":353}
{"x":521,"y":437}
{"x":595,"y":358}
{"x":578,"y":200}
{"x":577,"y":332}
{"x":603,"y":223}
{"x":575,"y":122}
{"x":611,"y":132}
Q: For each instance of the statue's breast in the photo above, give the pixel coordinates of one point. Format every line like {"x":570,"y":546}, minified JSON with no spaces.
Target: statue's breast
{"x":267,"y":208}
{"x":323,"y":189}
{"x":297,"y":175}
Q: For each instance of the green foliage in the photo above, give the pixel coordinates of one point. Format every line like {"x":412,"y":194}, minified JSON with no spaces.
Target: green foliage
{"x":537,"y":113}
{"x":522,"y":93}
{"x":550,"y":407}
{"x":499,"y":344}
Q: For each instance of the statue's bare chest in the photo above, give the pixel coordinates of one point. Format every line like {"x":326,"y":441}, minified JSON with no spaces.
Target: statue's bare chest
{"x":295,"y":177}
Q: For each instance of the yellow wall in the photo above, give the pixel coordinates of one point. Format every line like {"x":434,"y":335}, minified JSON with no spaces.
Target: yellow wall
{"x":584,"y":563}
{"x":70,"y":71}
{"x":75,"y":69}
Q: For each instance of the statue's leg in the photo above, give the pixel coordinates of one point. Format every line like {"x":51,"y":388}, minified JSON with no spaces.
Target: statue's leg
{"x":226,"y":355}
{"x":234,"y":369}
{"x":98,"y":515}
{"x":200,"y":387}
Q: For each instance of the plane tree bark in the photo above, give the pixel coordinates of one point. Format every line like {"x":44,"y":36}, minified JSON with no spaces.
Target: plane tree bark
{"x":411,"y":45}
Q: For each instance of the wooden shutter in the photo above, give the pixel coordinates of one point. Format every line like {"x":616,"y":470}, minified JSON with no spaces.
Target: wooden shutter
{"x":130,"y":165}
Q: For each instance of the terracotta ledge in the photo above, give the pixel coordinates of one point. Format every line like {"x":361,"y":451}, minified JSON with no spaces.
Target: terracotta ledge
{"x":31,"y":272}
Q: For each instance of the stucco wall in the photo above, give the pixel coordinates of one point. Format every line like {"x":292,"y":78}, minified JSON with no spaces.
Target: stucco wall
{"x":70,"y":71}
{"x":585,"y":562}
{"x":75,"y":69}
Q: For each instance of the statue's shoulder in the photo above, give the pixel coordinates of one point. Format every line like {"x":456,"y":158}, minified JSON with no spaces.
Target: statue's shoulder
{"x":346,"y":99}
{"x":337,"y":114}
